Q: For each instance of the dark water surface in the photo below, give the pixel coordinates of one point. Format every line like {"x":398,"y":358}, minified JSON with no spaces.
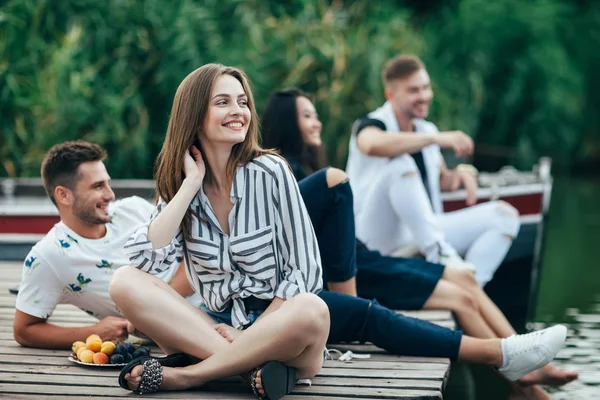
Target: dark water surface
{"x":570,"y":281}
{"x":569,"y":293}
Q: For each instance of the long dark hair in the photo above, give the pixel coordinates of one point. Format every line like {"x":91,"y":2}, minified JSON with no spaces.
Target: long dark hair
{"x":280,"y":130}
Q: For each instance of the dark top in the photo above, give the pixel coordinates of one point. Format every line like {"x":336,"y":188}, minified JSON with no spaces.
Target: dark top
{"x":418,"y":156}
{"x":297,"y":168}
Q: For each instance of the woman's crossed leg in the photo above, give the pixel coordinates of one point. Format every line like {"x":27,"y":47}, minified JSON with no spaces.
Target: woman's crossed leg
{"x":294,"y":334}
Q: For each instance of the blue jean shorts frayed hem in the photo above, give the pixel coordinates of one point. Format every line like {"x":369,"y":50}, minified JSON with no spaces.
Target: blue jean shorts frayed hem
{"x":224,"y":317}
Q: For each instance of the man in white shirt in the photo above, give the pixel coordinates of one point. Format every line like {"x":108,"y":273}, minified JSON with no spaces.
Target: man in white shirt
{"x":397,"y":172}
{"x":75,"y":261}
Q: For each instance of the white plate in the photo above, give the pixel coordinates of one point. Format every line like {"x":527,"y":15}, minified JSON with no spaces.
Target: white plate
{"x":95,"y":365}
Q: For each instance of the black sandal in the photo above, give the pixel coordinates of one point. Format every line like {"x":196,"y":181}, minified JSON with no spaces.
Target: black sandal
{"x":152,"y":370}
{"x":277,"y":380}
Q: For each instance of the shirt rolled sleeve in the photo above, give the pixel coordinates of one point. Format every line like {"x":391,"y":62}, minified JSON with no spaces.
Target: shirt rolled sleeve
{"x":154,"y":261}
{"x":366,"y":122}
{"x":40,"y":290}
{"x":298,"y":250}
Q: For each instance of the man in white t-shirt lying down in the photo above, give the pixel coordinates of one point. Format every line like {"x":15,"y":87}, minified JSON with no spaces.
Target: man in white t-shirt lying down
{"x":75,"y":261}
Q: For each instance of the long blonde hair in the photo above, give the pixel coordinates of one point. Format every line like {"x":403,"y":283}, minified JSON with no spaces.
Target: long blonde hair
{"x":189,"y":111}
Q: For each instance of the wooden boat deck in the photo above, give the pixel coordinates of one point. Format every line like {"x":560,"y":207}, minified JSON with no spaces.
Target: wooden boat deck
{"x":48,"y":374}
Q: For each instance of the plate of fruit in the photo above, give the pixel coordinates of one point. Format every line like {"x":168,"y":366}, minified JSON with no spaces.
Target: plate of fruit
{"x":97,"y":353}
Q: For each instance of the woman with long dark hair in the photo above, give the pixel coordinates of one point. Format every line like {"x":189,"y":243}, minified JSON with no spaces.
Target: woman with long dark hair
{"x":233,"y":210}
{"x":291,"y":125}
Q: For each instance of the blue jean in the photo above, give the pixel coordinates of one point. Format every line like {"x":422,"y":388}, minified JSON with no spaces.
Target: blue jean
{"x":332,"y":215}
{"x":355,"y":319}
{"x":224,"y":317}
{"x":398,"y":283}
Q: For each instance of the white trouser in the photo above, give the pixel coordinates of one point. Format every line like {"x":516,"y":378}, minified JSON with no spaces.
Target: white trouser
{"x":397,"y":213}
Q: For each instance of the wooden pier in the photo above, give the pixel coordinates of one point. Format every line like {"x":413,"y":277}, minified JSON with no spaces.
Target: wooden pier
{"x":48,"y":374}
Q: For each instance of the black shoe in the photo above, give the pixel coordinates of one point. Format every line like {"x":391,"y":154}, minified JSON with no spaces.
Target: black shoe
{"x":152,"y":370}
{"x":277,"y":380}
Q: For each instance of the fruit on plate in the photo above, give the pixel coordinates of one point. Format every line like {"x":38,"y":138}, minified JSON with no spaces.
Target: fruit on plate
{"x":95,"y":351}
{"x":100,"y":358}
{"x":117,"y":359}
{"x":79,"y":352}
{"x":93,"y":343}
{"x":86,"y":356}
{"x":77,"y":345}
{"x":108,"y":348}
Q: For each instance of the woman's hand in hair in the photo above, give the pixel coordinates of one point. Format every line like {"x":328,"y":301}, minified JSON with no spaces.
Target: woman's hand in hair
{"x":193,"y":166}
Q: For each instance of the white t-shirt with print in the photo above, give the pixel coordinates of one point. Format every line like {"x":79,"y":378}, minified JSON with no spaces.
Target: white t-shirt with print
{"x":64,"y":267}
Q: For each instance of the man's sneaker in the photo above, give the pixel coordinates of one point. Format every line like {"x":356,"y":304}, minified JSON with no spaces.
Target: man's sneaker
{"x":455,"y":261}
{"x":526,"y":353}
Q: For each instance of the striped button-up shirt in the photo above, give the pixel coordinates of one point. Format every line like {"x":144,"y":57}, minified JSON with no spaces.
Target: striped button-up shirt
{"x":271,"y":249}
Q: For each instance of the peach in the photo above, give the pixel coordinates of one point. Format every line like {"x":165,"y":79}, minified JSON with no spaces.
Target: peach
{"x":77,"y":345}
{"x":86,"y":356}
{"x":100,"y":358}
{"x":93,"y":344}
{"x":94,"y":336}
{"x":108,"y":348}
{"x":79,"y":352}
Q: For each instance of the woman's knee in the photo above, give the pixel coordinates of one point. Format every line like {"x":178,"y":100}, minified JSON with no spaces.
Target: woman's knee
{"x":463,"y":278}
{"x":121,"y":281}
{"x":308,"y":316}
{"x":335,"y":177}
{"x":465,"y":302}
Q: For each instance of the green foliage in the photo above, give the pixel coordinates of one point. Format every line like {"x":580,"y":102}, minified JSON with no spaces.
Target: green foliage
{"x":516,"y":75}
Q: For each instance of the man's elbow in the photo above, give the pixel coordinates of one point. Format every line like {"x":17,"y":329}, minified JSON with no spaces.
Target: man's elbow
{"x":367,"y":147}
{"x":20,"y":335}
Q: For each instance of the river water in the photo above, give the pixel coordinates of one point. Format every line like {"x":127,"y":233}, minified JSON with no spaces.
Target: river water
{"x":570,"y":281}
{"x":569,"y":293}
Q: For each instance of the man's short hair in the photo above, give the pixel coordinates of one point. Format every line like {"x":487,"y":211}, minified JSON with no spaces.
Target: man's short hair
{"x":401,"y":67}
{"x":61,"y":163}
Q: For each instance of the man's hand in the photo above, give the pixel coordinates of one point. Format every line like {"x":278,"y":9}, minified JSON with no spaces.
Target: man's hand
{"x":458,"y":141}
{"x":469,"y":182}
{"x":112,"y":328}
{"x":451,"y":180}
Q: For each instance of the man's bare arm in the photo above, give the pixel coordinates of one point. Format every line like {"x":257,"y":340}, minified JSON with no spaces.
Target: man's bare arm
{"x":373,"y":141}
{"x":30,"y":331}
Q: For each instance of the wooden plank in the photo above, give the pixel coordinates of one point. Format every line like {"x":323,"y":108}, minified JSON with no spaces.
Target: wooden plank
{"x":27,"y":373}
{"x":379,"y":393}
{"x":15,"y":349}
{"x":357,"y":393}
{"x":60,"y":357}
{"x":111,"y":381}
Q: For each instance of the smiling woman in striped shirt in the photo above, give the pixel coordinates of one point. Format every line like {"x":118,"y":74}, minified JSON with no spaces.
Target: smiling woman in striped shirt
{"x":233,"y":210}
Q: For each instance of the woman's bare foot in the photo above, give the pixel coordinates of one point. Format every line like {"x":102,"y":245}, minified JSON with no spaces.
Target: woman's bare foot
{"x":548,"y":375}
{"x":228,"y":332}
{"x":259,"y":384}
{"x":171,"y":379}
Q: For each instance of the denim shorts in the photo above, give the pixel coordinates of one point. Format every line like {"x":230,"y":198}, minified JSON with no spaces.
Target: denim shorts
{"x":224,"y":317}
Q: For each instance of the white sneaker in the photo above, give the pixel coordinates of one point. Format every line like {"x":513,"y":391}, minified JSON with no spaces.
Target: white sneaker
{"x":455,"y":261}
{"x":526,"y":353}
